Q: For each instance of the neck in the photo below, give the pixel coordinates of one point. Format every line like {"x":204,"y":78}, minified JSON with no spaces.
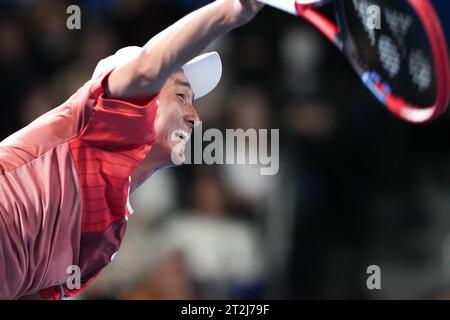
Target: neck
{"x":146,"y":169}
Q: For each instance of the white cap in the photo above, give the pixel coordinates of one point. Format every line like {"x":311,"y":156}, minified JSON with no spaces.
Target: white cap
{"x":203,"y":72}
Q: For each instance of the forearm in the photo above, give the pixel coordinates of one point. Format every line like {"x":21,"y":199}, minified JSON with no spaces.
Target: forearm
{"x":188,"y":37}
{"x":169,"y":50}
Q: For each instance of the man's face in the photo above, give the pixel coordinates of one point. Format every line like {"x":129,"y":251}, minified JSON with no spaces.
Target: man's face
{"x":175,"y":119}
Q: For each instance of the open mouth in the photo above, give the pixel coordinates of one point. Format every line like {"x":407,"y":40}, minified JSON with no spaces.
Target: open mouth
{"x":181,"y":136}
{"x":179,"y":139}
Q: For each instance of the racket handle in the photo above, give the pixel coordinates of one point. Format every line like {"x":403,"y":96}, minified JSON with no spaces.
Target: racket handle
{"x":284,"y":5}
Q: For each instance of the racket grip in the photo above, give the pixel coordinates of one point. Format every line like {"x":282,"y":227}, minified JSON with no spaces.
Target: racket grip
{"x":284,"y":5}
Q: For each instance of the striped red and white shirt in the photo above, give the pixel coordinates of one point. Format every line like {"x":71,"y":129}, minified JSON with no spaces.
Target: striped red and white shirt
{"x":64,"y":188}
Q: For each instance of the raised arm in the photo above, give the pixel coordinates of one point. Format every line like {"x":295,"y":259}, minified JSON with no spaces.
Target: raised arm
{"x":145,"y":75}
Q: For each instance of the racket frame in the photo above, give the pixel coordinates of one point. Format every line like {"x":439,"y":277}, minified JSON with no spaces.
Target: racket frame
{"x":336,"y":33}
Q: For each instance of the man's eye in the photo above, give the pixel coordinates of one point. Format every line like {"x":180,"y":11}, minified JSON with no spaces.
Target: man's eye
{"x":181,"y":96}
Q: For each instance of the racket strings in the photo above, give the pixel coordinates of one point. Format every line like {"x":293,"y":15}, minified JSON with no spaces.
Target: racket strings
{"x":399,"y":23}
{"x":420,"y":70}
{"x":362,"y":8}
{"x":419,"y":66}
{"x":389,"y":56}
{"x":396,"y":53}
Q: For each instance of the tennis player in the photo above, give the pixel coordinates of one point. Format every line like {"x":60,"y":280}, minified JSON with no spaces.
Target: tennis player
{"x":65,"y":179}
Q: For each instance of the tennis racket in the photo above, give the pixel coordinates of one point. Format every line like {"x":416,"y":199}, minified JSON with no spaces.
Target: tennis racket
{"x":397,"y":47}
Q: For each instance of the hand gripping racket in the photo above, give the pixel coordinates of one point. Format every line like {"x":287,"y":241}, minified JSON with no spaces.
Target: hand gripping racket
{"x":397,"y":47}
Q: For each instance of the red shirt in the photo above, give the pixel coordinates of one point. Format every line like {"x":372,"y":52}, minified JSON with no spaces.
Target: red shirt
{"x":64,"y":188}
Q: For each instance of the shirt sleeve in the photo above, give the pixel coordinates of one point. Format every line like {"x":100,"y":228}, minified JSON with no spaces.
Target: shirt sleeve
{"x":118,"y":124}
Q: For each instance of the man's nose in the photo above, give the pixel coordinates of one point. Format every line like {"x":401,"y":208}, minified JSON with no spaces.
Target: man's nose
{"x":192,"y":117}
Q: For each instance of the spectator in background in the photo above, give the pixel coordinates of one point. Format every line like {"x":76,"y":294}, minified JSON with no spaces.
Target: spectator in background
{"x":223,"y":254}
{"x":301,"y":60}
{"x":169,"y":279}
{"x":245,"y":182}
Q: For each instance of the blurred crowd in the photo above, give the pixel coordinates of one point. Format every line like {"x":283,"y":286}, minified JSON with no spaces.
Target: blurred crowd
{"x":356,"y":186}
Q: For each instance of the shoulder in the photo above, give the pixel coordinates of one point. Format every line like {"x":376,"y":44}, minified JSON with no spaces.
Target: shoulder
{"x":53,"y":128}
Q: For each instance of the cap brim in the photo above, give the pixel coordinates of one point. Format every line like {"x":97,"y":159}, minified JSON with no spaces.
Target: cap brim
{"x":203,"y":72}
